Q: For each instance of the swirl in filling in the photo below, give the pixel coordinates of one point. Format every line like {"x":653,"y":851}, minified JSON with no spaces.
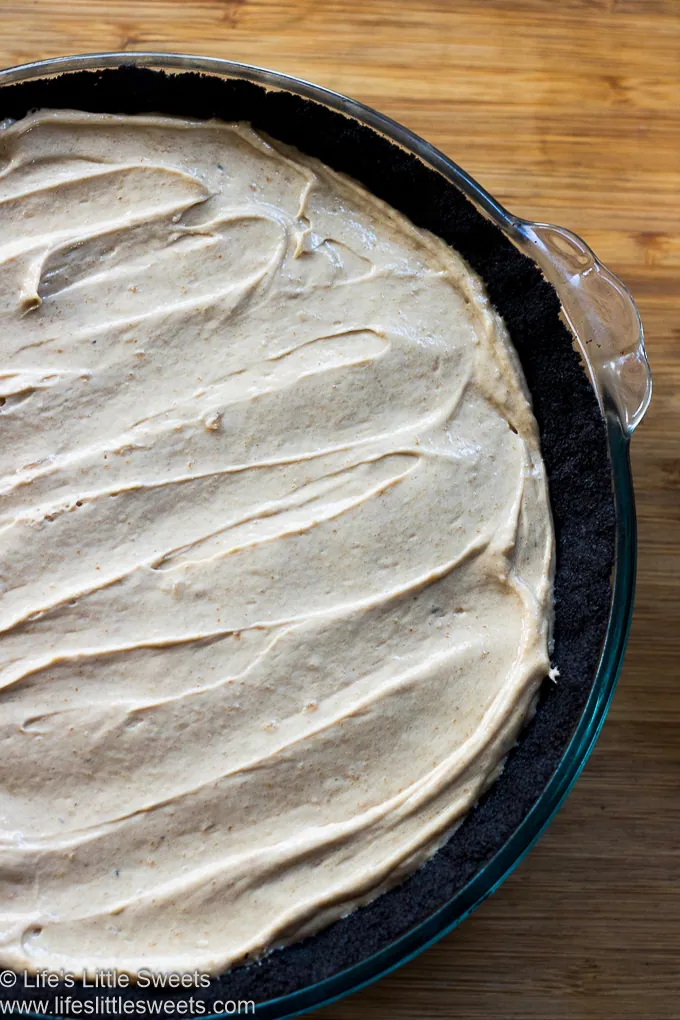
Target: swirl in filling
{"x":275,"y":543}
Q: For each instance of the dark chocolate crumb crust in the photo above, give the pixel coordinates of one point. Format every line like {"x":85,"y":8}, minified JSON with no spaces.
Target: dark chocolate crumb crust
{"x":575,"y":451}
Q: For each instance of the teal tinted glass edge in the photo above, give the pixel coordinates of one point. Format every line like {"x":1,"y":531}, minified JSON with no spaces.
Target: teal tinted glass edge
{"x":486,"y":881}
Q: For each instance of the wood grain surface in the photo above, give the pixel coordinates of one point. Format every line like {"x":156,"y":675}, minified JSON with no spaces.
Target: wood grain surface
{"x":568,"y":111}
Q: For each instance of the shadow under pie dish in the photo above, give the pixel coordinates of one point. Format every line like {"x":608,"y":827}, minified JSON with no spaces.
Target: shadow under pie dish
{"x":587,"y":475}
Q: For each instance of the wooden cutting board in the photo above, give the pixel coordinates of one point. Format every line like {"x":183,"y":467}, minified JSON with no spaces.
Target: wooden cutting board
{"x":569,"y":112}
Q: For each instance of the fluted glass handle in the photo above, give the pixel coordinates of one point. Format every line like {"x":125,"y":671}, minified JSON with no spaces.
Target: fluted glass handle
{"x":602,"y":315}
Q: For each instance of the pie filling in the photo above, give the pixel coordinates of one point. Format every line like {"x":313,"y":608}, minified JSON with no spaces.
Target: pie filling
{"x":275,"y":543}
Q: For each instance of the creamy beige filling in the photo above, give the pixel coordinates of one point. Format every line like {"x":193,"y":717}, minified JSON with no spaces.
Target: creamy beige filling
{"x":275,"y":543}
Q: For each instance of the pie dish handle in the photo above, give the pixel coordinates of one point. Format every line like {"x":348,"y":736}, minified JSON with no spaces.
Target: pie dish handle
{"x":602,"y":315}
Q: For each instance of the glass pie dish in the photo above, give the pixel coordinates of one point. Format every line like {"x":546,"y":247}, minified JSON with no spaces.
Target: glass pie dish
{"x":604,"y":322}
